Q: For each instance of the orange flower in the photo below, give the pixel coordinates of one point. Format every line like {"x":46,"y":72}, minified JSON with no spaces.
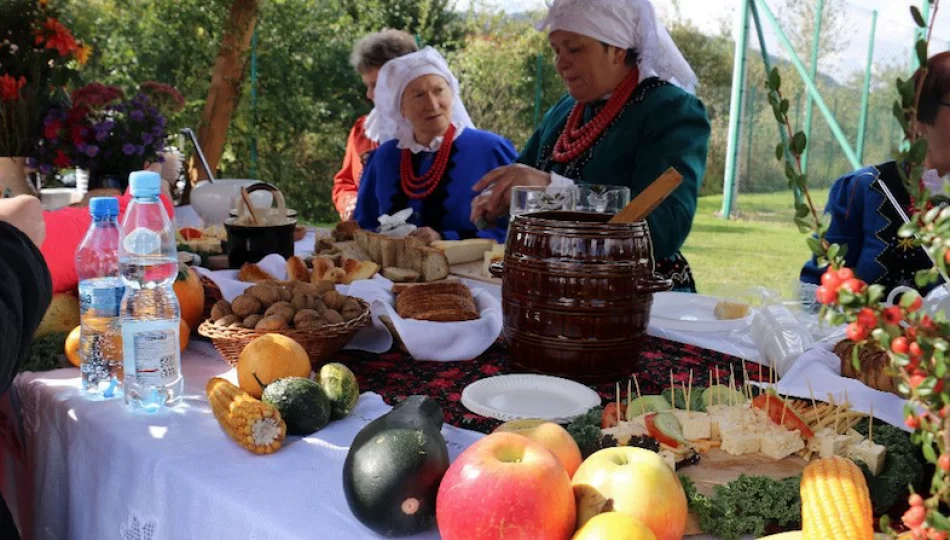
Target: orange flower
{"x":57,"y":37}
{"x":82,"y":54}
{"x":10,"y":87}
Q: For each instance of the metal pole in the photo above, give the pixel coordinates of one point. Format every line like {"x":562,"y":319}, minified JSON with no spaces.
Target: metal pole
{"x":735,"y":110}
{"x":831,"y":154}
{"x":919,"y":34}
{"x":537,"y":90}
{"x":811,"y":87}
{"x":815,"y":43}
{"x":254,"y":104}
{"x":866,"y":94}
{"x":750,"y":128}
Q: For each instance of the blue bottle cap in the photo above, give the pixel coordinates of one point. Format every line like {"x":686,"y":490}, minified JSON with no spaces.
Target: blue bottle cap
{"x":145,"y":184}
{"x":103,"y":207}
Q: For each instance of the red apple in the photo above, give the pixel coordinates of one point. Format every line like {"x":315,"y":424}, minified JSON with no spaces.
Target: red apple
{"x":505,"y":486}
{"x":636,"y":482}
{"x":551,"y":436}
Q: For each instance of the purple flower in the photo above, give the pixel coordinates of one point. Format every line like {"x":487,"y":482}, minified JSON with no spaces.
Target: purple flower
{"x":92,"y":150}
{"x":147,"y":138}
{"x":137,"y":115}
{"x":46,"y":169}
{"x":104,"y":126}
{"x":160,"y":121}
{"x":101,"y":136}
{"x":158,"y":131}
{"x":140,"y":150}
{"x":128,"y":149}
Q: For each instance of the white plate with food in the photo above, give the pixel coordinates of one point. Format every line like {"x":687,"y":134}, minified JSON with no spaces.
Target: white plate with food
{"x":698,"y":313}
{"x":510,"y":397}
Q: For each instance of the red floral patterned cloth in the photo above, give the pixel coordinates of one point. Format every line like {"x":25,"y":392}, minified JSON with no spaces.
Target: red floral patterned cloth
{"x":395,"y":376}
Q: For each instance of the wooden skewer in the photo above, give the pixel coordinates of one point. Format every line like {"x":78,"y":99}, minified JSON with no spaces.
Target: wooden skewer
{"x":784,"y":410}
{"x":745,"y":381}
{"x":618,"y":403}
{"x":637,"y":384}
{"x":689,"y":395}
{"x":672,"y":389}
{"x":628,"y":393}
{"x":250,"y":207}
{"x":732,"y":382}
{"x":685,"y":398}
{"x":871,"y":425}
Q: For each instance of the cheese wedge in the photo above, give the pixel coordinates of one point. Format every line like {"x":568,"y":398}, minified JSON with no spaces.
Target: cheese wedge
{"x":868,"y":453}
{"x":779,"y":443}
{"x":737,"y":442}
{"x":464,"y":251}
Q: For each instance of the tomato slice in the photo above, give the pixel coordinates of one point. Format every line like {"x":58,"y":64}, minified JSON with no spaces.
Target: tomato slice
{"x":658,"y":433}
{"x":611,"y":415}
{"x":776,"y":408}
{"x":190,"y":233}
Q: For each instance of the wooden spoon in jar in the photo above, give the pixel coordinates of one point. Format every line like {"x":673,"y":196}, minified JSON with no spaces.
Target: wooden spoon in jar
{"x":648,"y":199}
{"x":250,"y":207}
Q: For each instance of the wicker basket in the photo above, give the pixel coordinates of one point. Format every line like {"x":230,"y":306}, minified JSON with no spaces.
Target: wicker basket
{"x":320,"y":344}
{"x":212,"y":294}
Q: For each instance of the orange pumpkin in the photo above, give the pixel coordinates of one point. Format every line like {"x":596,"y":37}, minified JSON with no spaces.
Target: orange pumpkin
{"x":191,"y":296}
{"x":184,"y":334}
{"x":72,"y":347}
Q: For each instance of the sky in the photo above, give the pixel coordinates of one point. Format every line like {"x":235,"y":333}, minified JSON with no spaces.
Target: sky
{"x":894,"y":27}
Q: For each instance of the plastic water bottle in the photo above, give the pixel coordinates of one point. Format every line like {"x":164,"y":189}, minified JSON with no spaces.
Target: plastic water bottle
{"x":148,"y":262}
{"x":100,"y":295}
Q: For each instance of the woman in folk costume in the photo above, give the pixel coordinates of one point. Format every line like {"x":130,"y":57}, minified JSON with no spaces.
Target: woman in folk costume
{"x":370,"y":54}
{"x":630,"y":114}
{"x":434,"y":155}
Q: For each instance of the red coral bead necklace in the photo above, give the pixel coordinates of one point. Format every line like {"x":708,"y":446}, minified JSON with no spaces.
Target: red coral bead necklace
{"x":577,"y":139}
{"x":420,"y":187}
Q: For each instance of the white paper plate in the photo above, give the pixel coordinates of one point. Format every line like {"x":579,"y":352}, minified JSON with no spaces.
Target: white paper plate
{"x":691,"y":312}
{"x":509,"y":397}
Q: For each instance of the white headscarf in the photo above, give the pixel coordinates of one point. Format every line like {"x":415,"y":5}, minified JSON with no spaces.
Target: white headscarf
{"x":394,"y":76}
{"x":628,"y":24}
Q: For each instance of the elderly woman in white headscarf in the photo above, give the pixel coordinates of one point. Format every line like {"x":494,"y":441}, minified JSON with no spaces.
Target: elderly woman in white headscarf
{"x":630,"y":114}
{"x":434,"y":155}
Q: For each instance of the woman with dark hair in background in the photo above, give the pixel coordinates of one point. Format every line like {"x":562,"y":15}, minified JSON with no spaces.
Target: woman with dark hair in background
{"x":369,"y":55}
{"x":865,"y":221}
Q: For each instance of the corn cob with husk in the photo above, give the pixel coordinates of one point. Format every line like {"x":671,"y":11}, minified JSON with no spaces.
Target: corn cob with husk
{"x":835,"y":501}
{"x":253,"y":424}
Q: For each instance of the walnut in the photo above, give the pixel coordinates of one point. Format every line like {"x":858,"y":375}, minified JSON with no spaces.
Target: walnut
{"x":307,"y":288}
{"x":220,"y":310}
{"x":332,"y":316}
{"x":227,"y":320}
{"x":322,"y":286}
{"x":351,"y":309}
{"x":272,"y":324}
{"x":318,"y":306}
{"x":251,"y":321}
{"x":281,"y":309}
{"x":245,"y":305}
{"x":266,"y":293}
{"x":308,"y":318}
{"x":334,"y":300}
{"x":284,"y":294}
{"x":301,"y":301}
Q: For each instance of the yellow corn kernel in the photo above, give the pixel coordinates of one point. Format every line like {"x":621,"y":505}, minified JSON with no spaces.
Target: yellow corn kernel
{"x":835,"y":501}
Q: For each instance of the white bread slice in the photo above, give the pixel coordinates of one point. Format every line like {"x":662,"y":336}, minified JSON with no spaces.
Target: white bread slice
{"x":464,"y":251}
{"x":362,"y":270}
{"x":435,"y":265}
{"x":389,"y":251}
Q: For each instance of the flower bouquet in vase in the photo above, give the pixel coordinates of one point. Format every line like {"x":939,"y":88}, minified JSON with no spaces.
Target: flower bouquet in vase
{"x":39,"y":57}
{"x":102,"y":131}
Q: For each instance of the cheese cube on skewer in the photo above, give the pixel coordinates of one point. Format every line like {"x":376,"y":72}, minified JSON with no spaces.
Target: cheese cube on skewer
{"x":828,"y":443}
{"x":696,"y":425}
{"x":737,"y":442}
{"x":780,"y":443}
{"x":868,"y":453}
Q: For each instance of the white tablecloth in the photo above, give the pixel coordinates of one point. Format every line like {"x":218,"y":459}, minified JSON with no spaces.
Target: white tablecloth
{"x":93,"y":470}
{"x":101,"y":470}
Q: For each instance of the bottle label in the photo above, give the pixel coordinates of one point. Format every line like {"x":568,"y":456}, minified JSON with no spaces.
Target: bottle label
{"x":143,"y":241}
{"x":156,"y":356}
{"x":100,"y":301}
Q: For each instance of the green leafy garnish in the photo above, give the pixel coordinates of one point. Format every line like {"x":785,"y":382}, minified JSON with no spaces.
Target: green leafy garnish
{"x":746,"y":506}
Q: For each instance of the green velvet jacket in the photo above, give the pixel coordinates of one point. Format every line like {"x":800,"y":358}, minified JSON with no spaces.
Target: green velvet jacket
{"x":661,"y":126}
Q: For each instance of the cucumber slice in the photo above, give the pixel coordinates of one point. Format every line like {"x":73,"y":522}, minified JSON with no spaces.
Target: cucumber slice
{"x":720,"y":394}
{"x":696,"y":399}
{"x":647,"y":404}
{"x":664,"y":427}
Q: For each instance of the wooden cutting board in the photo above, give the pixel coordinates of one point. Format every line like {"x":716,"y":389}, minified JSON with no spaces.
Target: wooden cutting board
{"x":473,"y":271}
{"x":717,"y":468}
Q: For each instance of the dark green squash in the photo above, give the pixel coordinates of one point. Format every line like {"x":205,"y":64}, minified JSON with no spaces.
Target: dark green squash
{"x":392,"y":472}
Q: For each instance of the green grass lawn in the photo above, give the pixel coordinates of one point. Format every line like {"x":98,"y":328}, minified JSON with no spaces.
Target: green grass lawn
{"x":760,"y":248}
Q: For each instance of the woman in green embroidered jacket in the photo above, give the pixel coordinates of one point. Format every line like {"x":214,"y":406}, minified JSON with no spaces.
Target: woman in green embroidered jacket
{"x":630,"y":113}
